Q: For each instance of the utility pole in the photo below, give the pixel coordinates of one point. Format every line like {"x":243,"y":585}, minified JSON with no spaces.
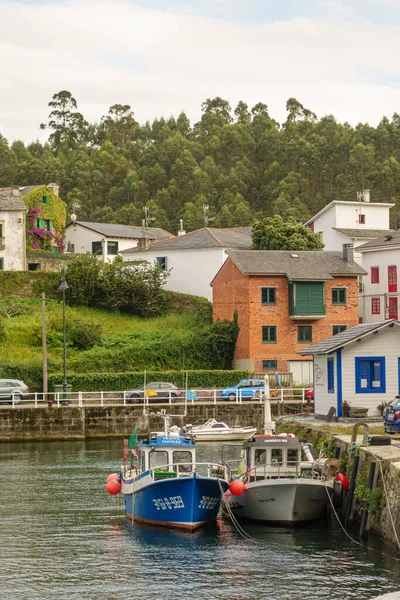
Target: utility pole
{"x":44,"y":346}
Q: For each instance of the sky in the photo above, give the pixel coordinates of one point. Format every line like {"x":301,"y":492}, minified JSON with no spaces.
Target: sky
{"x":165,"y":56}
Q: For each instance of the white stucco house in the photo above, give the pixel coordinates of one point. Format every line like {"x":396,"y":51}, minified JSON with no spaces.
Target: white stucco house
{"x":194,"y":258}
{"x":360,"y":365}
{"x":356,"y":223}
{"x":108,"y":239}
{"x":12,"y":230}
{"x":380,"y":292}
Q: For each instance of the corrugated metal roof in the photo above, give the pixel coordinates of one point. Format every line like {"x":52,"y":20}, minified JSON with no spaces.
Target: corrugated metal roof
{"x":300,"y":265}
{"x":345,"y":337}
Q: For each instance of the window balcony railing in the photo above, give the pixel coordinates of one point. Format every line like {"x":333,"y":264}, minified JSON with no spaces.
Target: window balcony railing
{"x":306,"y":312}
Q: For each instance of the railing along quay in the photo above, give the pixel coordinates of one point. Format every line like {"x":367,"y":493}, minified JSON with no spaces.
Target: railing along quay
{"x":280,"y":398}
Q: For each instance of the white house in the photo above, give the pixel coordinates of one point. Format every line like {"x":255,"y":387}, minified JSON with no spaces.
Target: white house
{"x":354,"y":223}
{"x":108,"y":239}
{"x":360,"y":365}
{"x":379,"y":297}
{"x":12,"y":230}
{"x":193,"y":259}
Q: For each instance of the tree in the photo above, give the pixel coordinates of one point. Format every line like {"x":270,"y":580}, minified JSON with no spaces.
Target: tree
{"x":273,"y":233}
{"x":67,"y":124}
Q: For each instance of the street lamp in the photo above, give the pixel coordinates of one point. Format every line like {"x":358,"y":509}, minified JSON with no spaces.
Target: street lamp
{"x":64,"y":286}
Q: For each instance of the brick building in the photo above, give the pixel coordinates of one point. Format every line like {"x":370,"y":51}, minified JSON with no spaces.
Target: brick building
{"x":286,"y":300}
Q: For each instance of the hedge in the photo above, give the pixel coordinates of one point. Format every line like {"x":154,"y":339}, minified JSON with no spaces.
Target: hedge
{"x":92,"y":382}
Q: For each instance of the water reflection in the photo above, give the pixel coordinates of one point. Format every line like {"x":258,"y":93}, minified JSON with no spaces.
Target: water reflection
{"x":62,"y":536}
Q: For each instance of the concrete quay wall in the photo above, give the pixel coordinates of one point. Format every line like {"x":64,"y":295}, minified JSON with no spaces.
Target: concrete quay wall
{"x":66,"y":422}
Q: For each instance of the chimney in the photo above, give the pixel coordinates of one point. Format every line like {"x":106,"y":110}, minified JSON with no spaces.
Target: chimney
{"x":15,"y":191}
{"x":143,"y":242}
{"x":365,"y":195}
{"x":181,"y":231}
{"x":348,"y":253}
{"x":53,"y":187}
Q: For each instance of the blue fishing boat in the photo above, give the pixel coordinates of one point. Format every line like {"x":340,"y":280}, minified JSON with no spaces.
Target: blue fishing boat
{"x":167,"y":486}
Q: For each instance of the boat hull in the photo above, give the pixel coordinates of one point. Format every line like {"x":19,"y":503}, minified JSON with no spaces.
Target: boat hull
{"x":184,"y":502}
{"x":282,"y":502}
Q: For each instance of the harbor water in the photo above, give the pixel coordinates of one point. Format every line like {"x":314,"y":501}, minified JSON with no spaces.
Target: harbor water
{"x":62,"y":536}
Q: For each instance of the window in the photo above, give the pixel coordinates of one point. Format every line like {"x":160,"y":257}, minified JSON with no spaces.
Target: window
{"x":112,"y":248}
{"x":370,"y":375}
{"x":276,"y":456}
{"x":268,"y":295}
{"x":41,"y":223}
{"x":182,"y":461}
{"x":376,"y":306}
{"x":96,"y":248}
{"x":269,"y":334}
{"x":361,"y":219}
{"x":33,"y":266}
{"x":393,"y":309}
{"x":374,"y":274}
{"x":292,"y":456}
{"x":392,"y":278}
{"x":158,"y":458}
{"x":304,"y":333}
{"x":331,"y":376}
{"x":161,"y":261}
{"x":1,"y":264}
{"x":338,"y":295}
{"x":260,"y":455}
{"x":49,"y":225}
{"x":269,"y":365}
{"x":46,"y":200}
{"x":1,"y":235}
{"x":338,"y":329}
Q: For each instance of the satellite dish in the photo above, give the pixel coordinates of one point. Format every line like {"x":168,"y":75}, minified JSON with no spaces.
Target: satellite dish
{"x":73,"y":217}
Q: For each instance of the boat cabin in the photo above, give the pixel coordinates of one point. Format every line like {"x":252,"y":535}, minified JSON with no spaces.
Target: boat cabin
{"x":273,"y":456}
{"x":167,"y":454}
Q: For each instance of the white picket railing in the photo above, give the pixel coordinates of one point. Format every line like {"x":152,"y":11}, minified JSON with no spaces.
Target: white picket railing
{"x":115,"y":398}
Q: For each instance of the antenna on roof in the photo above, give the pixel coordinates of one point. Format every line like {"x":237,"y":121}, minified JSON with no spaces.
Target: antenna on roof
{"x":147,"y":218}
{"x":205,"y":212}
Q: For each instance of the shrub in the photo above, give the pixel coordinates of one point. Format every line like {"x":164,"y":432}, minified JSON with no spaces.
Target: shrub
{"x":203,"y":312}
{"x":3,"y":334}
{"x":85,"y":334}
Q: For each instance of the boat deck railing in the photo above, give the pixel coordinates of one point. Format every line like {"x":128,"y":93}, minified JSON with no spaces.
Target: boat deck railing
{"x":177,"y":470}
{"x":273,"y":470}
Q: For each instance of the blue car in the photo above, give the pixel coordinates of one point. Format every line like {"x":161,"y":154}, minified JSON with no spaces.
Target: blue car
{"x":247,"y":388}
{"x":391,"y":419}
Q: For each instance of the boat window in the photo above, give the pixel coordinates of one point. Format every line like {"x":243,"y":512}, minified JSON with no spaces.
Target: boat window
{"x":292,"y":456}
{"x":260,"y":455}
{"x":218,"y":426}
{"x":183,"y":461}
{"x":276,"y":456}
{"x":158,"y":458}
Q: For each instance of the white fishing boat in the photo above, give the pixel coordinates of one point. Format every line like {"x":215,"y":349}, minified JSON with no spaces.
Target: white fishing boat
{"x":216,"y":431}
{"x":280,"y":482}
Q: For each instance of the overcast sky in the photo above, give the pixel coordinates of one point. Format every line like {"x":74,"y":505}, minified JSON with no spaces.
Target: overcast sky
{"x":161,"y":57}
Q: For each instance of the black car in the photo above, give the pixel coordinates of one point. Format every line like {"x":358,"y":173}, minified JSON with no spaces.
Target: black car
{"x":155,"y":391}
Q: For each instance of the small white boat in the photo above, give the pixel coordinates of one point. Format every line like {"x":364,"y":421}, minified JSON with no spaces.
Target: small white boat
{"x":283,"y":484}
{"x":217,"y":431}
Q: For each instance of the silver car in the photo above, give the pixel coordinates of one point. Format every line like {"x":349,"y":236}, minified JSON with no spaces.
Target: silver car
{"x":156,"y":391}
{"x":13,"y":389}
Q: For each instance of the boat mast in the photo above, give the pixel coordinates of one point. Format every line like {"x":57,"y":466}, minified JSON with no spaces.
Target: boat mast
{"x":269,"y":425}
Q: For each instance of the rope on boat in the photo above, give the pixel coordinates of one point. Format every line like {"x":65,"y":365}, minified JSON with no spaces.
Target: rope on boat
{"x":337,"y":517}
{"x":235,"y":522}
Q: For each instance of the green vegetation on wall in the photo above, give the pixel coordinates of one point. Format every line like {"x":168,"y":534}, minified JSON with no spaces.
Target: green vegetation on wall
{"x":45,"y":222}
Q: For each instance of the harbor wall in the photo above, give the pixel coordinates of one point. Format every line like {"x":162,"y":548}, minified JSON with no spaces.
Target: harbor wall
{"x":66,"y":422}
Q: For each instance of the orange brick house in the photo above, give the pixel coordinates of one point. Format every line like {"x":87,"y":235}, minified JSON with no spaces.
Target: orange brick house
{"x":286,"y":300}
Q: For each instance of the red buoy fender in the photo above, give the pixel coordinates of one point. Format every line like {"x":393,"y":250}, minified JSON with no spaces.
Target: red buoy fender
{"x":236,"y":487}
{"x":113,"y":486}
{"x":343,"y":480}
{"x":112,"y":476}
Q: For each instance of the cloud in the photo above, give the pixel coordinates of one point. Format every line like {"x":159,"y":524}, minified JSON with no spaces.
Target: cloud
{"x":160,"y":62}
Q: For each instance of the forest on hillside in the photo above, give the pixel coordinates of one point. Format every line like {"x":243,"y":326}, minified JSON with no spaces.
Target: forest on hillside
{"x":238,"y":163}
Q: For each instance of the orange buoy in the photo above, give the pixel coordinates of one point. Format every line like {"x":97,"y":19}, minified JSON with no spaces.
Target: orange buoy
{"x":113,"y":486}
{"x":112,"y":476}
{"x":236,"y":487}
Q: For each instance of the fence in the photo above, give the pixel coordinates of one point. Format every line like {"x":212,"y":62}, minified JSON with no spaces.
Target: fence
{"x":281,"y":397}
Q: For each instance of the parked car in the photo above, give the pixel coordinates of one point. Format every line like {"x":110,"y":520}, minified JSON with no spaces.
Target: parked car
{"x":247,"y":388}
{"x":155,"y":391}
{"x":309,"y":394}
{"x":13,"y":388}
{"x":391,"y":418}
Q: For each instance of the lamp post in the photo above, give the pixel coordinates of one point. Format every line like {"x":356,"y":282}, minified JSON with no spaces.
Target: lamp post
{"x":64,"y":286}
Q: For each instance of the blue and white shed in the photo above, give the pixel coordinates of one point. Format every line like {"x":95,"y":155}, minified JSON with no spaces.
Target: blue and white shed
{"x":360,"y":365}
